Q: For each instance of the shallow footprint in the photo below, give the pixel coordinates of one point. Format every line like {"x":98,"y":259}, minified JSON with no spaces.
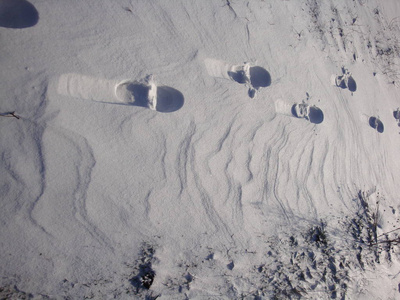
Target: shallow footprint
{"x":377,"y":124}
{"x":254,"y":77}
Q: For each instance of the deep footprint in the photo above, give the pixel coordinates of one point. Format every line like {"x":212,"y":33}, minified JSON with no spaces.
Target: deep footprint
{"x":143,"y":93}
{"x":345,"y":81}
{"x":253,"y":77}
{"x":310,"y":113}
{"x":159,"y":98}
{"x":376,"y":124}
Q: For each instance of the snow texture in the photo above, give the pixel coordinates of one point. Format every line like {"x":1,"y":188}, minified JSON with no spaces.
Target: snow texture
{"x":200,"y":149}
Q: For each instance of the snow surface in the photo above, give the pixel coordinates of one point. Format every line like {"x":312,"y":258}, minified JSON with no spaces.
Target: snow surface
{"x":203,"y":179}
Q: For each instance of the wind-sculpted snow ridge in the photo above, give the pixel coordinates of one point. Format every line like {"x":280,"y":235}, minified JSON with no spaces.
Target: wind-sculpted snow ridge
{"x":75,"y":148}
{"x":27,"y":139}
{"x":192,"y":182}
{"x":225,"y":211}
{"x":23,"y":180}
{"x":243,"y":157}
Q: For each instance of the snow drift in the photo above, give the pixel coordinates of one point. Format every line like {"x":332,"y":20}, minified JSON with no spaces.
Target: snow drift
{"x":230,"y":194}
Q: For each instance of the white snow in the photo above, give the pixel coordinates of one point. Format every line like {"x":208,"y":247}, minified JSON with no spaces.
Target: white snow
{"x":156,"y":138}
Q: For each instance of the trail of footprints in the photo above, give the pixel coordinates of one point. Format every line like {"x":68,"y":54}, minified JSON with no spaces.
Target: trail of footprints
{"x":255,"y":77}
{"x":147,"y":93}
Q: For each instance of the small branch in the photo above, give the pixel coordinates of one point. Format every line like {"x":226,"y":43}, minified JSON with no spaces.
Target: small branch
{"x":10,"y":115}
{"x":396,"y":241}
{"x":389,"y":232}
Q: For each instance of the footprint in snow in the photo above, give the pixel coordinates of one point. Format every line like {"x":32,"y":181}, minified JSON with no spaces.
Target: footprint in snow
{"x":17,"y":14}
{"x":148,"y":94}
{"x":143,"y":93}
{"x":310,"y":113}
{"x":301,"y":110}
{"x":377,"y":124}
{"x":396,"y":115}
{"x":254,"y":77}
{"x":345,"y":81}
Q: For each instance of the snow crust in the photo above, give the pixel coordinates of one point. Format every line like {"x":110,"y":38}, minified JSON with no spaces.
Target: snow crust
{"x":199,"y":176}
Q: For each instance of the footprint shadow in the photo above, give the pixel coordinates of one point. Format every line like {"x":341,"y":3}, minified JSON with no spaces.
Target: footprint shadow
{"x":169,"y":99}
{"x":396,"y":115}
{"x":238,"y":76}
{"x":17,"y":14}
{"x":352,"y":85}
{"x":377,"y":124}
{"x":259,"y":77}
{"x":316,"y":115}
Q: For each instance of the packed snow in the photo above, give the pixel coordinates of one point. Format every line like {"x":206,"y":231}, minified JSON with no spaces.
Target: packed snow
{"x":220,"y":149}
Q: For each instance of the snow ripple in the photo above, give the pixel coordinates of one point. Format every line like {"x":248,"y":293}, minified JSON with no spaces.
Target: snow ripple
{"x":67,"y":184}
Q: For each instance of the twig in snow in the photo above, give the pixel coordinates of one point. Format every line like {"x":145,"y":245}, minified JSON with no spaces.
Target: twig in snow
{"x":10,"y":115}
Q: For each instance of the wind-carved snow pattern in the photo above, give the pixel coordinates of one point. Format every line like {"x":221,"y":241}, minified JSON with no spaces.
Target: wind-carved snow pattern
{"x":253,"y":77}
{"x":21,"y":192}
{"x":77,"y":150}
{"x":143,"y":93}
{"x":376,"y":123}
{"x":301,"y":110}
{"x":232,"y":192}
